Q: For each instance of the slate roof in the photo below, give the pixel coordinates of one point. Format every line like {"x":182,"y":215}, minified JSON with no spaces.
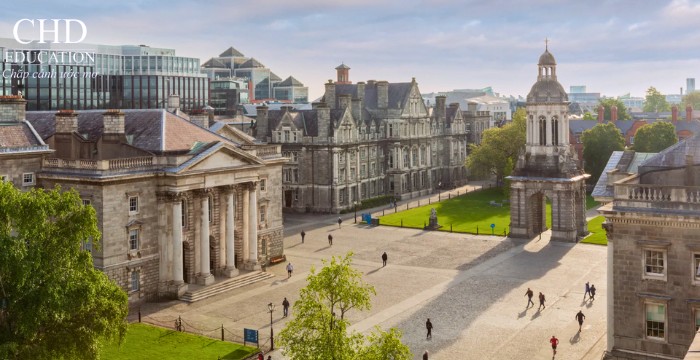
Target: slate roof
{"x":290,"y":81}
{"x":675,"y":155}
{"x":214,"y":63}
{"x":251,"y":63}
{"x":274,"y":77}
{"x":579,"y":126}
{"x":307,"y":120}
{"x":153,"y":130}
{"x":450,"y":114}
{"x":624,"y":162}
{"x":397,"y":94}
{"x":231,"y":52}
{"x":18,"y":135}
{"x":342,"y":66}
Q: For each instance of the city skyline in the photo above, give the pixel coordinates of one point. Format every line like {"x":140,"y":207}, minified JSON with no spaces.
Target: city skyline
{"x":614,"y":47}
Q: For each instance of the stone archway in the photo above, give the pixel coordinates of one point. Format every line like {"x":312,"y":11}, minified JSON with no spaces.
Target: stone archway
{"x":537,"y":213}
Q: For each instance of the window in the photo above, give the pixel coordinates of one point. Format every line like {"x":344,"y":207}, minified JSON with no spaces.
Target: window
{"x":3,"y":177}
{"x":183,"y":213}
{"x":134,"y":239}
{"x":87,"y":245}
{"x":655,"y":321}
{"x":697,"y":320}
{"x":135,"y":280}
{"x":295,"y":156}
{"x":632,"y":140}
{"x":654,"y":264}
{"x":133,"y":204}
{"x":696,"y":267}
{"x":263,"y":212}
{"x":87,"y":202}
{"x":341,"y":196}
{"x":262,"y":184}
{"x":27,"y":179}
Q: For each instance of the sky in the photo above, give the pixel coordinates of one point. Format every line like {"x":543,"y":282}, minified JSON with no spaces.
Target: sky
{"x":612,"y":47}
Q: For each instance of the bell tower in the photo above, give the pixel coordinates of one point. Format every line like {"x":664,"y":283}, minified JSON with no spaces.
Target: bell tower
{"x":343,"y":74}
{"x":547,"y":169}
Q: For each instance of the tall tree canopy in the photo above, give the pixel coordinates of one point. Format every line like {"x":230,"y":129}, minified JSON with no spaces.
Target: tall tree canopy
{"x":599,"y":142}
{"x":655,"y":137}
{"x":498,"y":152}
{"x":693,"y":99}
{"x":655,"y":101}
{"x":53,"y":303}
{"x":318,"y":330}
{"x":622,"y":113}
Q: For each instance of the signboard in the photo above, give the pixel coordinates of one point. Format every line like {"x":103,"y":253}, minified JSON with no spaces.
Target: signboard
{"x":250,"y":335}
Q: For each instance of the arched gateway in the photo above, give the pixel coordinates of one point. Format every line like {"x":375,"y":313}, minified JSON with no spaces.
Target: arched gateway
{"x":548,"y":168}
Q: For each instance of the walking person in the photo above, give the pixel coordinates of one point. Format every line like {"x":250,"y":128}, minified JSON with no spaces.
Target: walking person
{"x":529,"y":294}
{"x":290,"y":268}
{"x":425,"y":355}
{"x":302,"y":236}
{"x":261,"y":356}
{"x":580,"y":318}
{"x":554,"y":341}
{"x":330,"y":239}
{"x":588,"y":291}
{"x":429,"y":327}
{"x":340,"y":221}
{"x":541,"y":302}
{"x":384,"y":258}
{"x":592,"y":292}
{"x":285,"y":307}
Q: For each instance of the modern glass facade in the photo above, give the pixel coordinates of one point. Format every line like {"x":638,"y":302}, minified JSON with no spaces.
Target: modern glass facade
{"x":110,"y":77}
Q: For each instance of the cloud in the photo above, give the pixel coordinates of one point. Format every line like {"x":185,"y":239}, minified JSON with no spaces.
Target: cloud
{"x":681,"y":13}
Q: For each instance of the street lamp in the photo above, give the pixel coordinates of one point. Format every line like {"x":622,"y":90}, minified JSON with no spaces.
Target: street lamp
{"x":355,"y":203}
{"x":271,"y":308}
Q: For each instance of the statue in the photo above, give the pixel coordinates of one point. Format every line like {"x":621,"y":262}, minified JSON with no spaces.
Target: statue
{"x":432,"y":221}
{"x":433,"y":213}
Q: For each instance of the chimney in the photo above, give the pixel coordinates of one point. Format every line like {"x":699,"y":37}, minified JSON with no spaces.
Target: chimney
{"x":382,"y":94}
{"x":330,"y":94}
{"x":324,"y":121}
{"x":344,"y":101}
{"x":613,"y":113}
{"x":601,"y":114}
{"x":113,"y":120}
{"x":343,"y":74}
{"x":440,"y":109}
{"x":471,"y":107}
{"x":688,"y":113}
{"x":66,"y":122}
{"x":357,"y":110}
{"x":173,"y":103}
{"x":12,"y":108}
{"x":261,"y":122}
{"x":199,"y":118}
{"x":361,"y":90}
{"x":674,"y":114}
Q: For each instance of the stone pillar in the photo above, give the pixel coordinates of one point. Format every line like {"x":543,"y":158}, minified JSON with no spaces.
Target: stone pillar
{"x":205,"y":277}
{"x":253,"y":263}
{"x":610,"y":292}
{"x":231,"y":270}
{"x":246,"y":223}
{"x":178,"y":286}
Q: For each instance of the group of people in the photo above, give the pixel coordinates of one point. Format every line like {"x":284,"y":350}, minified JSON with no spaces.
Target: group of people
{"x":529,"y":293}
{"x":262,"y":357}
{"x":590,"y":293}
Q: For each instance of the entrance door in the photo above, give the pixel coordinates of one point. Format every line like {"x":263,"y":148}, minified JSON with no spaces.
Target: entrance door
{"x":288,"y":196}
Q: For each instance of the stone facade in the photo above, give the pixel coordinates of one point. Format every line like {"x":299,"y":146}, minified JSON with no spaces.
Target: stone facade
{"x":366,"y":140}
{"x":653,"y":229}
{"x":548,"y":168}
{"x":172,"y":199}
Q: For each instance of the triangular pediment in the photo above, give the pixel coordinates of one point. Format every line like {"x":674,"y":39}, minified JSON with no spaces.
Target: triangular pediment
{"x":221,"y":157}
{"x":286,"y":121}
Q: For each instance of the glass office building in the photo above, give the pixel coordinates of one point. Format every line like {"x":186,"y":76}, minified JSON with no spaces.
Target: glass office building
{"x":82,"y":76}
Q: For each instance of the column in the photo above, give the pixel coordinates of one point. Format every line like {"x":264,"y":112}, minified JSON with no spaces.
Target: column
{"x":231,"y":270}
{"x":253,"y":228}
{"x":177,"y":272}
{"x":205,"y":276}
{"x":246,"y":223}
{"x":610,"y":296}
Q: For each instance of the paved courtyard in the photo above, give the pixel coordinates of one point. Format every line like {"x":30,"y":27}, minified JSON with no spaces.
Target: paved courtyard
{"x":471,"y":287}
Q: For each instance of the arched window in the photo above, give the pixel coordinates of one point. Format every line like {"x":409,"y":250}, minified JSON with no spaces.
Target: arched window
{"x":543,"y":130}
{"x":555,"y":130}
{"x":406,"y":158}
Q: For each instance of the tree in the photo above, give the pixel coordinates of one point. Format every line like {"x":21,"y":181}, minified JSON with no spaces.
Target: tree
{"x":599,"y":142}
{"x":319,"y":328}
{"x":498,"y":152}
{"x":655,"y":101}
{"x":655,"y":137}
{"x":53,"y":302}
{"x":622,"y":113}
{"x":588,"y":116}
{"x":692,"y":99}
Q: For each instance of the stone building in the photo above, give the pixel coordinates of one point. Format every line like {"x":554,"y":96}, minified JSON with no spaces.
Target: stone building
{"x":176,"y":203}
{"x":548,"y":168}
{"x":365,"y":140}
{"x":653,"y":229}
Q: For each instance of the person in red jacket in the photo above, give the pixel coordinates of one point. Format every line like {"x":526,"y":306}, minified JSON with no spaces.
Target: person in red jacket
{"x":554,"y":341}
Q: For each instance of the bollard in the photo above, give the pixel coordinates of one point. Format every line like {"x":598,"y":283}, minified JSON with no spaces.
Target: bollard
{"x":477,"y":229}
{"x":382,"y":212}
{"x":450,"y":227}
{"x":401,"y":222}
{"x":394,"y":209}
{"x":449,"y":196}
{"x":504,"y":232}
{"x":139,"y":314}
{"x":222,"y":332}
{"x":424,"y":225}
{"x":439,"y":197}
{"x":406,"y":206}
{"x":457,"y":192}
{"x":418,"y":202}
{"x":428,"y":201}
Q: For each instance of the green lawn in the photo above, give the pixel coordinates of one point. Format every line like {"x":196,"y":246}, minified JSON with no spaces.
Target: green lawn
{"x":465,"y":213}
{"x":150,"y":342}
{"x":597,"y":236}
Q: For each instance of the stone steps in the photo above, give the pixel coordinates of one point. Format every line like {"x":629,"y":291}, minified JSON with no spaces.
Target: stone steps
{"x":226,"y":285}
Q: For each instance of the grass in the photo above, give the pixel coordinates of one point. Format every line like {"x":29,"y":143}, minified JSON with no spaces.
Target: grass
{"x":464,"y":213}
{"x":469,"y":213}
{"x":150,"y":342}
{"x":597,"y":236}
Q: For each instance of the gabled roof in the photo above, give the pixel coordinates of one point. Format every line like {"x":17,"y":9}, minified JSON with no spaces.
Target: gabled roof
{"x":579,"y":126}
{"x":626,"y":162}
{"x":231,"y":52}
{"x":213,"y":63}
{"x":290,"y":81}
{"x":250,"y":64}
{"x":153,"y":130}
{"x":274,"y":77}
{"x":18,"y":135}
{"x":397,"y":94}
{"x":342,"y":66}
{"x":676,"y":155}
